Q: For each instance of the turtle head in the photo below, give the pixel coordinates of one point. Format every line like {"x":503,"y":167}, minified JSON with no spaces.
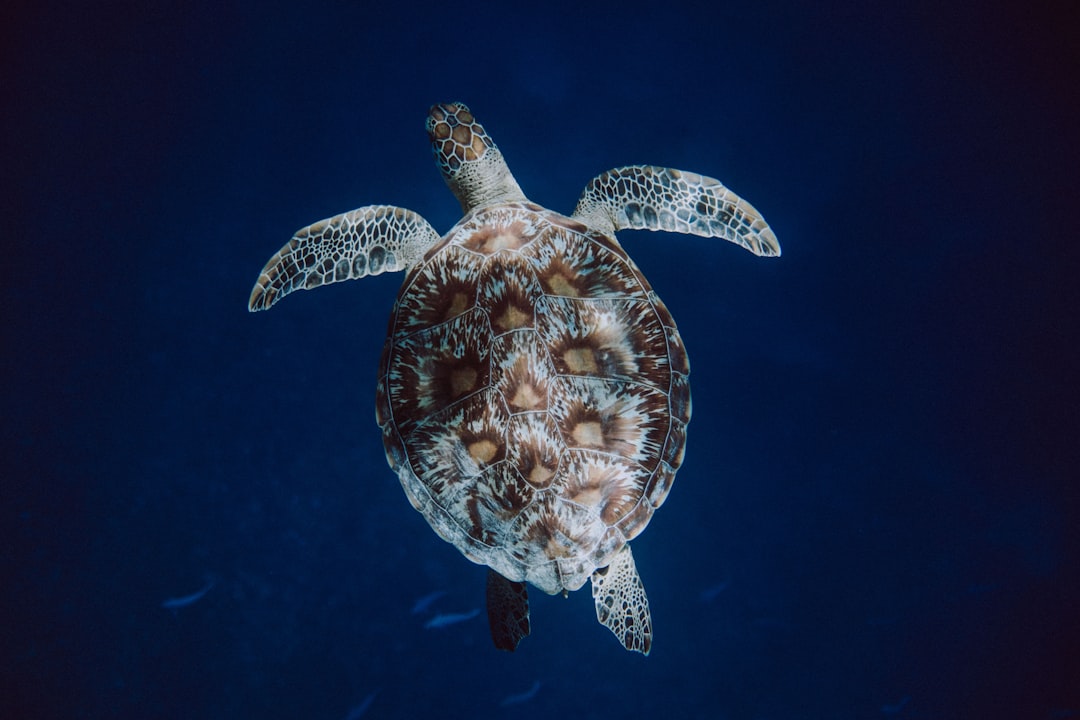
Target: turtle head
{"x":470,"y":162}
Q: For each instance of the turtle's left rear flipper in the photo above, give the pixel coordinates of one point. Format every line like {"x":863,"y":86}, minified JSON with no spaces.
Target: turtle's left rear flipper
{"x":508,"y":611}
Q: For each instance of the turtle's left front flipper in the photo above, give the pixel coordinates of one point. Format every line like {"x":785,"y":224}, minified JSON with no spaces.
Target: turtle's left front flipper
{"x":647,"y":197}
{"x":367,"y":241}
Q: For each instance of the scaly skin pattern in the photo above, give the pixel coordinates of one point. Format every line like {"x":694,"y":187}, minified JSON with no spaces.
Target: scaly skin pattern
{"x":366,"y":241}
{"x":646,"y":197}
{"x":469,"y":161}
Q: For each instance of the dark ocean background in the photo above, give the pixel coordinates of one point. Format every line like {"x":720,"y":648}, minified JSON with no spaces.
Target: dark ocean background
{"x":878,"y":514}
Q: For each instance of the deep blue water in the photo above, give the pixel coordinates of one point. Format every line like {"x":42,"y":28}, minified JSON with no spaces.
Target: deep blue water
{"x":878,"y":513}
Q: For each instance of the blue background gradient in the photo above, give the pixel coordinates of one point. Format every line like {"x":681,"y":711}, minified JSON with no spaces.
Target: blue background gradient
{"x":878,"y":514}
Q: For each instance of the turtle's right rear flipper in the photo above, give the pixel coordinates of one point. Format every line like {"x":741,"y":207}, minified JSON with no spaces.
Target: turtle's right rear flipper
{"x":508,"y":611}
{"x":621,"y":604}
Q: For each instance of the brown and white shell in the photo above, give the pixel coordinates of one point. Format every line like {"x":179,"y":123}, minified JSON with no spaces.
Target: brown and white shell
{"x":533,"y":394}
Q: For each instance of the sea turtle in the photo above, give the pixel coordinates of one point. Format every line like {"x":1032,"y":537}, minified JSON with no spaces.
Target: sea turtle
{"x":532,"y":392}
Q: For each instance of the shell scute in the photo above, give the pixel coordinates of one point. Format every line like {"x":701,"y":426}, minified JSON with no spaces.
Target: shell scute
{"x":496,"y":499}
{"x":675,"y":444}
{"x":636,"y":520}
{"x":535,"y":447}
{"x":679,"y":402}
{"x":459,"y":443}
{"x":574,"y":265}
{"x":522,"y":370}
{"x":677,"y":357}
{"x":509,"y":292}
{"x":607,"y":485}
{"x":605,"y":338}
{"x":497,"y":230}
{"x":624,"y":419}
{"x":440,"y":290}
{"x":659,"y":485}
{"x":431,"y":369}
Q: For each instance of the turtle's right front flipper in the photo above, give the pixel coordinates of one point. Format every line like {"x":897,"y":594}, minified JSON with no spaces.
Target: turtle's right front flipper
{"x":367,"y":241}
{"x":621,"y":604}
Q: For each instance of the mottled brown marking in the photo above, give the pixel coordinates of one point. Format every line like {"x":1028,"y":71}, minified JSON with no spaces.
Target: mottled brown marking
{"x":659,"y":485}
{"x":679,"y":397}
{"x":462,"y":379}
{"x":589,"y":434}
{"x":559,"y":284}
{"x":632,"y":419}
{"x":675,"y":446}
{"x":575,"y":266}
{"x":533,"y":447}
{"x":636,"y":520}
{"x":625,"y":338}
{"x":431,"y":369}
{"x":450,"y":452}
{"x":566,"y":222}
{"x":512,"y":317}
{"x":618,"y":502}
{"x":490,"y":239}
{"x":557,"y":548}
{"x":483,"y":450}
{"x":498,"y":497}
{"x":527,"y":398}
{"x":508,"y":290}
{"x":439,"y":289}
{"x":459,"y":303}
{"x":540,"y":476}
{"x":502,"y":241}
{"x":588,"y":495}
{"x":383,"y":413}
{"x":581,"y":361}
{"x":679,"y":362}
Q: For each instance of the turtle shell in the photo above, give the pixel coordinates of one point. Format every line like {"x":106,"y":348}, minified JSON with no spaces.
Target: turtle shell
{"x":533,"y":394}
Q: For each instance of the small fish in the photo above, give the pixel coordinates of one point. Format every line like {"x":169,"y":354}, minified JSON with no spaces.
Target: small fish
{"x":711,"y":593}
{"x":424,"y":603}
{"x":443,"y":619}
{"x":176,"y":603}
{"x":896,"y":707}
{"x":521,"y":697}
{"x":1059,"y":713}
{"x":358,"y":712}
